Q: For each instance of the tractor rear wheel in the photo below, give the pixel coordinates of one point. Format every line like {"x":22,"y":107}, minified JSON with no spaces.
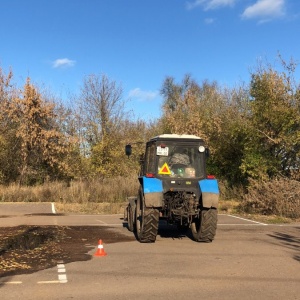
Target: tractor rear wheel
{"x":146,"y":221}
{"x":205,"y":225}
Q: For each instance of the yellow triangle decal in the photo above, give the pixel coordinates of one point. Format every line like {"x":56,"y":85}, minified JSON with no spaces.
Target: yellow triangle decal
{"x":164,"y":170}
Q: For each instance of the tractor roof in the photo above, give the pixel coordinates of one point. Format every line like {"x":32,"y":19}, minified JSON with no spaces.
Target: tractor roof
{"x":176,"y":136}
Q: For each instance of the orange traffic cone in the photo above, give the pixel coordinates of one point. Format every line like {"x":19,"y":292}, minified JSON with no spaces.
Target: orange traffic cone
{"x":100,"y":251}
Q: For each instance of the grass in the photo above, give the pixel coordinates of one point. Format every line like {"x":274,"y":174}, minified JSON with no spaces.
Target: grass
{"x":93,"y":196}
{"x":109,"y":196}
{"x":91,"y":208}
{"x":233,"y":207}
{"x":228,"y":206}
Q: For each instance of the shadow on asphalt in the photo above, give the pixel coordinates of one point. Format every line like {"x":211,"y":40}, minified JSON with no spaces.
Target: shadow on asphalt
{"x":168,"y":231}
{"x":173,"y":232}
{"x":290,"y":241}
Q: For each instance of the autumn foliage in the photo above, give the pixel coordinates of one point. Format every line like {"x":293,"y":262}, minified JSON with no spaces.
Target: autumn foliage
{"x":252,"y":130}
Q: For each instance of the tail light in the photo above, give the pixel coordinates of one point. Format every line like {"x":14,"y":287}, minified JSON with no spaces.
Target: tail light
{"x":150,"y":175}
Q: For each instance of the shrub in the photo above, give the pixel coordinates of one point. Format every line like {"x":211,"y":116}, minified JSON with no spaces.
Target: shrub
{"x":274,"y":197}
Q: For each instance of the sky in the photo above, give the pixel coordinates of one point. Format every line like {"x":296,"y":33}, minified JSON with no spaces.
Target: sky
{"x":138,"y":43}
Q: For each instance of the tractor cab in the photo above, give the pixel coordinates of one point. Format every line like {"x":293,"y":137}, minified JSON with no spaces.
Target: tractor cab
{"x":168,"y":157}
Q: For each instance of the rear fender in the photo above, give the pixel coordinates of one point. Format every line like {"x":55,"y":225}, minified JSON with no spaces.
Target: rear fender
{"x":153,"y":191}
{"x":210,"y":192}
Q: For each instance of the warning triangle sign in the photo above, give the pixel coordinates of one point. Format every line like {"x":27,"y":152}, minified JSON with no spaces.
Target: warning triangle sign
{"x":164,"y":170}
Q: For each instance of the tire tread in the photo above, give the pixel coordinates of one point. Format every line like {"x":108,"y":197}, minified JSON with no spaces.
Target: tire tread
{"x":150,"y":226}
{"x":207,"y":226}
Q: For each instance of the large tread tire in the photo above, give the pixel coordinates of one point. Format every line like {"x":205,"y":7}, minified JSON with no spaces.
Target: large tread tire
{"x":130,"y":225}
{"x":204,"y":227}
{"x":146,"y":222}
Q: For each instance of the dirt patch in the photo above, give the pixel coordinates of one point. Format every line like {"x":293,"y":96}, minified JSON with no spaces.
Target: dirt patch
{"x":27,"y":249}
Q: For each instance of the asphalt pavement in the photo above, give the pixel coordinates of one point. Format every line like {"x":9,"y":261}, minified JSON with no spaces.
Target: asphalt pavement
{"x":247,"y":260}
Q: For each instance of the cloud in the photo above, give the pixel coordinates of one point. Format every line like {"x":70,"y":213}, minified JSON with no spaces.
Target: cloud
{"x":209,"y":21}
{"x":210,"y":4}
{"x":63,"y":63}
{"x":143,"y":95}
{"x":265,"y":9}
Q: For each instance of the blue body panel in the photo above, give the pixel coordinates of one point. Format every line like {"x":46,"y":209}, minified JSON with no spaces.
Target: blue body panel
{"x":152,"y":185}
{"x":209,"y":186}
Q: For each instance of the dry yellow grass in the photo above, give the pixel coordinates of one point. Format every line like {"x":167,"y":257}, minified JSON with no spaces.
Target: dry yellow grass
{"x":91,"y":208}
{"x":228,"y":206}
{"x":93,"y":196}
{"x":108,"y":196}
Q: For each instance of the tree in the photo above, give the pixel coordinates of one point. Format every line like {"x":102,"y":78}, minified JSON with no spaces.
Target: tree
{"x":230,"y":139}
{"x":102,"y":117}
{"x":217,"y":115}
{"x":181,"y":112}
{"x":42,"y":146}
{"x":9,"y":146}
{"x":101,"y":108}
{"x":108,"y":157}
{"x":68,"y":124}
{"x":275,"y":120}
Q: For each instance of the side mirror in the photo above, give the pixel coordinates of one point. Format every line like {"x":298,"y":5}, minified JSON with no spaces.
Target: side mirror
{"x":142,"y":158}
{"x":207,"y":152}
{"x":128,"y":150}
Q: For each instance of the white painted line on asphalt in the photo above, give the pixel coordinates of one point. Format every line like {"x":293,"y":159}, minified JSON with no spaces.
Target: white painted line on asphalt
{"x":11,"y":282}
{"x":62,"y":278}
{"x":96,"y":215}
{"x":106,"y":224}
{"x":103,"y":225}
{"x":259,"y":223}
{"x":49,"y":281}
{"x":93,"y":224}
{"x":238,"y":224}
{"x":53,"y":208}
{"x":62,"y":269}
{"x":286,"y":225}
{"x":102,"y":222}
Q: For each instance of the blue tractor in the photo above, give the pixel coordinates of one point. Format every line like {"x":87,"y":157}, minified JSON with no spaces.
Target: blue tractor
{"x":174,"y":186}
